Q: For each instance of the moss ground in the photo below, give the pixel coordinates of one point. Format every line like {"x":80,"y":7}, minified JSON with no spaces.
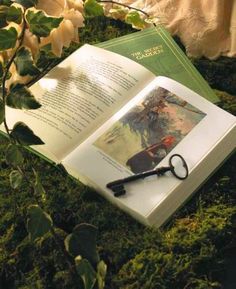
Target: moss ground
{"x":195,"y":249}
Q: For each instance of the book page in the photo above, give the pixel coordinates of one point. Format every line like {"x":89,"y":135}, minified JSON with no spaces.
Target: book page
{"x":79,"y":95}
{"x":165,"y":118}
{"x":155,"y":49}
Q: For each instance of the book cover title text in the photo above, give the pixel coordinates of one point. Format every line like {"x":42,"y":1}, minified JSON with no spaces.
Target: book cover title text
{"x":148,"y":52}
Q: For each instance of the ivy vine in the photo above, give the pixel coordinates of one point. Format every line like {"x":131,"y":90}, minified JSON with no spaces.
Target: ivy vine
{"x":17,"y":18}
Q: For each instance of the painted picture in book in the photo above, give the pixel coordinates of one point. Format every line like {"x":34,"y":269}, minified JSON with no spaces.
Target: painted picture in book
{"x":150,"y":130}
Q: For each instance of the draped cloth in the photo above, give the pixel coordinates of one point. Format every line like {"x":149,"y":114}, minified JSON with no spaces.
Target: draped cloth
{"x":205,"y":27}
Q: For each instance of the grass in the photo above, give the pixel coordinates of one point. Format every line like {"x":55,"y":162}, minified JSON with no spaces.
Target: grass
{"x":194,"y":249}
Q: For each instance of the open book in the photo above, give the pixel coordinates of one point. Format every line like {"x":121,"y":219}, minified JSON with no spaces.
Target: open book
{"x":106,"y":117}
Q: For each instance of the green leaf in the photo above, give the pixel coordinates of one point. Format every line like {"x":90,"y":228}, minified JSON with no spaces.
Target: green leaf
{"x":3,"y":15}
{"x":101,"y":274}
{"x":46,"y":50}
{"x":14,"y":14}
{"x":39,"y":222}
{"x":46,"y":56}
{"x":86,"y":272}
{"x":92,"y":8}
{"x":27,"y":3}
{"x":118,"y":12}
{"x":6,"y":2}
{"x":82,"y":241}
{"x":15,"y":179}
{"x":38,"y":187}
{"x":24,"y":63}
{"x":14,"y":156}
{"x":2,"y":111}
{"x":40,"y":24}
{"x":20,"y":97}
{"x":135,"y":20}
{"x":8,"y":38}
{"x":24,"y":135}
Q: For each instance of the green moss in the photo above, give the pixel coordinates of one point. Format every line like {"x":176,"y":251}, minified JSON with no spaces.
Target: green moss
{"x":209,"y":225}
{"x":190,"y":254}
{"x":227,"y":101}
{"x":219,"y":73}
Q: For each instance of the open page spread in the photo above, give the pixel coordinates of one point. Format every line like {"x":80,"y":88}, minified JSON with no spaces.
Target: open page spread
{"x":163,"y":119}
{"x":78,"y":96}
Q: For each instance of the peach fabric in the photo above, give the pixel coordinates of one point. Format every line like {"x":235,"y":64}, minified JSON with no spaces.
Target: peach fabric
{"x":206,"y":27}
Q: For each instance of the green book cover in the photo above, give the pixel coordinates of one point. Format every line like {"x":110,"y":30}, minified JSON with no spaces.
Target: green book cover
{"x":155,"y":49}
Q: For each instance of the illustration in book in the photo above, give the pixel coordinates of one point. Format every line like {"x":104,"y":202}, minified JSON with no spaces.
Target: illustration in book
{"x":150,"y":130}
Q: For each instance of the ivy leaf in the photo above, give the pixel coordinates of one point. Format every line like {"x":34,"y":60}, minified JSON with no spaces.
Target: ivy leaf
{"x":82,"y":241}
{"x":3,"y":15}
{"x":86,"y":272}
{"x":38,"y":187}
{"x":8,"y":38}
{"x":27,"y":3}
{"x":101,"y":274}
{"x":14,"y":156}
{"x":15,"y":179}
{"x":46,"y":50}
{"x":118,"y":12}
{"x":92,"y":8}
{"x":6,"y":2}
{"x":24,"y":135}
{"x":135,"y":20}
{"x":24,"y":63}
{"x":46,"y":56}
{"x":39,"y":222}
{"x":14,"y":14}
{"x":20,"y":97}
{"x":40,"y":24}
{"x":2,"y":111}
